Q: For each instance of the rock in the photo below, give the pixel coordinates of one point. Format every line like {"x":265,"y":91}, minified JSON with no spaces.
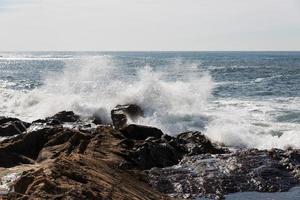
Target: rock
{"x":138,"y":132}
{"x":75,"y":165}
{"x":137,"y":162}
{"x":121,"y":113}
{"x":152,"y":154}
{"x":62,"y":117}
{"x":196,"y":143}
{"x":12,"y":126}
{"x":59,"y":118}
{"x":213,"y":176}
{"x":147,"y":147}
{"x":47,"y":143}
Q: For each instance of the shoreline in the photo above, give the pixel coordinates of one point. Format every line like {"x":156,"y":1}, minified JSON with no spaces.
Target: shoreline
{"x":92,"y":160}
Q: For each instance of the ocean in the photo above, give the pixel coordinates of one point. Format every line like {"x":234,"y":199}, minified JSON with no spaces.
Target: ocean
{"x":239,"y":99}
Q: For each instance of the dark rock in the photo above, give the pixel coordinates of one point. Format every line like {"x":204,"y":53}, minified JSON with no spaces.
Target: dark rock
{"x":4,"y":120}
{"x":147,"y":147}
{"x":40,"y":145}
{"x":63,"y":116}
{"x":138,"y":132}
{"x":152,"y":154}
{"x":214,"y":176}
{"x":196,"y":143}
{"x":12,"y":126}
{"x":121,"y":113}
{"x":59,"y":118}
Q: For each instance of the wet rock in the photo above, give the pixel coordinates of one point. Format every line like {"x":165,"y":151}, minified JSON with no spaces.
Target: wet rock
{"x":104,"y":163}
{"x":213,"y":176}
{"x":138,"y":132}
{"x":152,"y":154}
{"x":196,"y":143}
{"x":12,"y":126}
{"x":121,"y":113}
{"x":65,"y":116}
{"x":146,"y":151}
{"x":59,"y":118}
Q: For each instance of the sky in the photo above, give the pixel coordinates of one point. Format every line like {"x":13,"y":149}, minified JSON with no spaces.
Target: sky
{"x":149,"y":25}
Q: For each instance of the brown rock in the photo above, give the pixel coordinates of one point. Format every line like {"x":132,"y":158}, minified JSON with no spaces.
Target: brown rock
{"x":75,"y":165}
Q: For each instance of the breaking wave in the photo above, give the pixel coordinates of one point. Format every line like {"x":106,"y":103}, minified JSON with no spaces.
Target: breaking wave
{"x":174,"y":104}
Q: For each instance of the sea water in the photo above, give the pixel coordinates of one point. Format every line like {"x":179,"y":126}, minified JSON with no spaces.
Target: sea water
{"x":239,"y":99}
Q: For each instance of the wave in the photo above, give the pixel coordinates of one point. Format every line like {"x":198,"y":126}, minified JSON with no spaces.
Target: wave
{"x":100,"y":84}
{"x":97,"y":84}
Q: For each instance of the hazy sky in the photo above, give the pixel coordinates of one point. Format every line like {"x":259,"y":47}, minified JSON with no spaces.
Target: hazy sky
{"x":149,"y":25}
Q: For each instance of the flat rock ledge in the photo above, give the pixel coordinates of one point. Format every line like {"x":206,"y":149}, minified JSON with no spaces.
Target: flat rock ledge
{"x":130,"y":161}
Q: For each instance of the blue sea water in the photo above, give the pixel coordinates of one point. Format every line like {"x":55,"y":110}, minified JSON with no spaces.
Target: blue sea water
{"x":241,"y":99}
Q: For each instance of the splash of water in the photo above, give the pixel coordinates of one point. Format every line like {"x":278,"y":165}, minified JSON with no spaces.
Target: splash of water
{"x":99,"y":84}
{"x":170,"y":103}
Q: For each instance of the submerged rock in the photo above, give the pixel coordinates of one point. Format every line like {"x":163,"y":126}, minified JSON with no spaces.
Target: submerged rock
{"x":121,"y":113}
{"x":12,"y":126}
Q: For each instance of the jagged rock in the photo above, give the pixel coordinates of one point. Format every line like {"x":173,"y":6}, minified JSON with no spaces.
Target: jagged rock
{"x":40,"y":145}
{"x":138,"y":132}
{"x":196,"y":143}
{"x":121,"y":113}
{"x":12,"y":126}
{"x":152,"y":154}
{"x":75,"y":165}
{"x":59,"y":118}
{"x":158,"y":150}
{"x":105,"y":163}
{"x":214,"y":176}
{"x":65,"y":116}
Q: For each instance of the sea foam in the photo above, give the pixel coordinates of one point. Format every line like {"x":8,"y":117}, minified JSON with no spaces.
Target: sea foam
{"x":172,"y":103}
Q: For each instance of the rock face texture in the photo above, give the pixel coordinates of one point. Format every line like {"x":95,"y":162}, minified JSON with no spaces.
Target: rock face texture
{"x":130,"y":161}
{"x":215,"y":175}
{"x":73,"y":165}
{"x":12,"y":126}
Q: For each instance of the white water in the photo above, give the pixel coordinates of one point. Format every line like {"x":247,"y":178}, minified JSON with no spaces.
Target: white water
{"x":98,"y":84}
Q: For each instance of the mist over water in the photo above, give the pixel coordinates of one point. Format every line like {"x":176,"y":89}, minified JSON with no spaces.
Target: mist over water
{"x":239,"y":99}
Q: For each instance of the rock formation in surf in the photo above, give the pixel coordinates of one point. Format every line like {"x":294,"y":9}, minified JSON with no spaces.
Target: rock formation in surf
{"x":131,"y":161}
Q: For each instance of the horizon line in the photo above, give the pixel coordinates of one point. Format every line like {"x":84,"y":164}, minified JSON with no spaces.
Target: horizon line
{"x":145,"y":51}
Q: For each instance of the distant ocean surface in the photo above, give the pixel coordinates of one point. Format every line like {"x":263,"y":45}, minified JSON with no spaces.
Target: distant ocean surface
{"x":240,"y":99}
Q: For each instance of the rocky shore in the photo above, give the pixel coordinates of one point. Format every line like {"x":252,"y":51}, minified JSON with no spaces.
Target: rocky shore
{"x":67,"y":157}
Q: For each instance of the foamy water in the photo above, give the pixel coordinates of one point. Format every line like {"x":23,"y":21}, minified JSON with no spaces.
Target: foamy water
{"x":219,"y":95}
